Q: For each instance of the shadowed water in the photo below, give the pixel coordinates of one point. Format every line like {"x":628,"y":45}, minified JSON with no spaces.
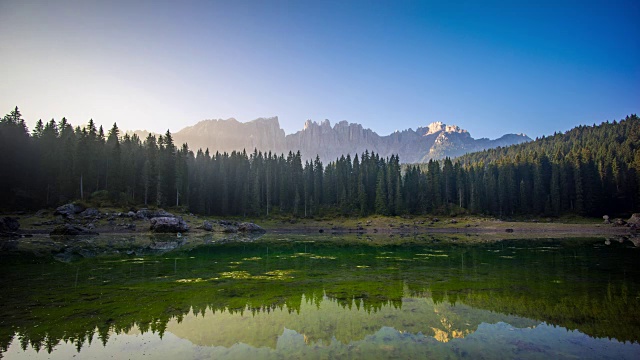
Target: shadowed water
{"x":319,"y":297}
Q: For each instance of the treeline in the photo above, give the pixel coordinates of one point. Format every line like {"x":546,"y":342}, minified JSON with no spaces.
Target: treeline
{"x":589,"y":170}
{"x":56,"y":163}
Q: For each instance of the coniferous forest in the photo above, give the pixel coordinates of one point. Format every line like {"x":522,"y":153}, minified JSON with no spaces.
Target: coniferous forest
{"x":589,"y":170}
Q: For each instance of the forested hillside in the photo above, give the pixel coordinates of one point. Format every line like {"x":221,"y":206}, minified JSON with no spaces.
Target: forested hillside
{"x":587,"y":171}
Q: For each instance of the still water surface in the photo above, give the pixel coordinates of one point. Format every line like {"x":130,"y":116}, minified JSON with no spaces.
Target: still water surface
{"x":319,"y":297}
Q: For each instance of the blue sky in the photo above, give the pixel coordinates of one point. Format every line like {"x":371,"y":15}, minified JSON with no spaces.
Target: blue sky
{"x":490,"y":67}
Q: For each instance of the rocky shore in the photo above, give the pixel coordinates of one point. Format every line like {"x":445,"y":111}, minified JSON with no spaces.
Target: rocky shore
{"x":73,"y":220}
{"x":76,"y":220}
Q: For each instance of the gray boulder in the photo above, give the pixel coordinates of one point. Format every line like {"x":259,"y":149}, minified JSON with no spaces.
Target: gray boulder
{"x":162,"y":213}
{"x":150,"y":214}
{"x":68,"y":210}
{"x":143,"y":214}
{"x":224,"y":226}
{"x":90,"y":213}
{"x":250,"y":227}
{"x":229,"y":228}
{"x":634,"y":219}
{"x":71,"y":230}
{"x":168,"y":225}
{"x":206,"y":226}
{"x":9,"y":224}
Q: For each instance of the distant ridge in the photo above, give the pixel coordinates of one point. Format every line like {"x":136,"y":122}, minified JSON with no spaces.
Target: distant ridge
{"x":434,"y":141}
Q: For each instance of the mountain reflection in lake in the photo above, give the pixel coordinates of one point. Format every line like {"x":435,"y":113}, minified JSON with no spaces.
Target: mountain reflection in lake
{"x":320,"y":297}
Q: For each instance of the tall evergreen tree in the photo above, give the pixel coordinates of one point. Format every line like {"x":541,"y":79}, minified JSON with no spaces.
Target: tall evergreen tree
{"x":113,"y":165}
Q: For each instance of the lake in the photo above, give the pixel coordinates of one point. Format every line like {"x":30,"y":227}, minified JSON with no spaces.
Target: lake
{"x":306,"y":297}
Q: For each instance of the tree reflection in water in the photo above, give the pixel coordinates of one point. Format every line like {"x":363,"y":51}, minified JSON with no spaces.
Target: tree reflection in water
{"x":345,"y":290}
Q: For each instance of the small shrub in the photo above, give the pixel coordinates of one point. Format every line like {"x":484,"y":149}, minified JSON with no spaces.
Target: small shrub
{"x":99,"y":198}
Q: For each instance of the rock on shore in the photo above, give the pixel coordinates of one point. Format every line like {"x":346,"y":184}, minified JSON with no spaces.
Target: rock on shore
{"x":68,"y":210}
{"x":225,"y":226}
{"x":9,"y":226}
{"x":250,"y":227}
{"x":167,"y":224}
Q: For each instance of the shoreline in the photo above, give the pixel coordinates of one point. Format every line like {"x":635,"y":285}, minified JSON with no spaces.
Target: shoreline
{"x":118,"y":234}
{"x":111,"y":222}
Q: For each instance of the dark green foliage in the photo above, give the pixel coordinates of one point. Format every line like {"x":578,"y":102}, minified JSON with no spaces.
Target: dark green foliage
{"x":590,"y":170}
{"x":15,"y":161}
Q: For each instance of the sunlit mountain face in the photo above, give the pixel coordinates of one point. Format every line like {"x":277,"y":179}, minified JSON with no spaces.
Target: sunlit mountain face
{"x":434,"y":141}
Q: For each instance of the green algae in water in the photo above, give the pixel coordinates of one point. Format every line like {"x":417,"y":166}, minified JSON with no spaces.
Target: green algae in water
{"x":324,"y":298}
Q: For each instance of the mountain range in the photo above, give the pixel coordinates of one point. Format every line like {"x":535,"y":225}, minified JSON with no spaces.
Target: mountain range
{"x":435,"y":141}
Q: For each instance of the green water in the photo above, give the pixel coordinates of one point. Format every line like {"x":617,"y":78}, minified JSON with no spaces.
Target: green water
{"x":286,"y":296}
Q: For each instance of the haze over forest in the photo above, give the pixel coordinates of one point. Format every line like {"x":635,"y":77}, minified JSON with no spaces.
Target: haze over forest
{"x":587,"y":170}
{"x":460,"y":74}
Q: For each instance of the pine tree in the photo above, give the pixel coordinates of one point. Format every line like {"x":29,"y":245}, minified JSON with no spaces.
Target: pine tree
{"x":15,"y":156}
{"x":317,"y":181}
{"x":113,"y":169}
{"x":167,"y":170}
{"x":579,"y":204}
{"x":37,"y":131}
{"x":381,"y":193}
{"x":150,"y":173}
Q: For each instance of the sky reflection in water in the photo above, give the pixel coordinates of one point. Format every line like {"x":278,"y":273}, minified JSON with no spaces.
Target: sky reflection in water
{"x":309,"y":298}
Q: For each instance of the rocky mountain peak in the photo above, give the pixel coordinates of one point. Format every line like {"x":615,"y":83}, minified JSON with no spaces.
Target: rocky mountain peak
{"x":438,"y":126}
{"x":324,"y":124}
{"x":435,"y":127}
{"x":273,"y":121}
{"x":343,"y":138}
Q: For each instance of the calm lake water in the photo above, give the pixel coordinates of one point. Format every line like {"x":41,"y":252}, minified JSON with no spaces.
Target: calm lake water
{"x":306,"y":297}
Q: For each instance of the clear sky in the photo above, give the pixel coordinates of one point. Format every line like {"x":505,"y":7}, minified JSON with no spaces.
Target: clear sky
{"x":490,"y":67}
